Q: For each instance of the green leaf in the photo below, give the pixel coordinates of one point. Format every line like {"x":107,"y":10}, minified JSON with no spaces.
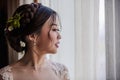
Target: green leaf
{"x":14,"y":22}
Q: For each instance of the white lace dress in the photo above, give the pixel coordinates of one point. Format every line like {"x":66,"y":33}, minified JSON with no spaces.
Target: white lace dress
{"x":59,"y":69}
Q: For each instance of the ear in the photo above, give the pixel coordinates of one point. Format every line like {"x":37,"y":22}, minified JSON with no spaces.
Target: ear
{"x":32,"y":37}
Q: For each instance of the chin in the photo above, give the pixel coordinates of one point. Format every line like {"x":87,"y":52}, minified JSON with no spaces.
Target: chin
{"x":53,"y":51}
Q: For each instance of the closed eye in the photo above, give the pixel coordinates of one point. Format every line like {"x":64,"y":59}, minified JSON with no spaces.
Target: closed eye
{"x":55,"y":30}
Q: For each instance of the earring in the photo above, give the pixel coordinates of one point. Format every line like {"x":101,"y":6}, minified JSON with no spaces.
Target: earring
{"x":34,"y":43}
{"x":22,"y":44}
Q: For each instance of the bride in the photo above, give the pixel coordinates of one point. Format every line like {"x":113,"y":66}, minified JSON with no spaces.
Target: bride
{"x":34,"y":28}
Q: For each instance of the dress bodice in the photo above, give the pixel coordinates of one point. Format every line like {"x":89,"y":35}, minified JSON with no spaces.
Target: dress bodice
{"x":59,"y":69}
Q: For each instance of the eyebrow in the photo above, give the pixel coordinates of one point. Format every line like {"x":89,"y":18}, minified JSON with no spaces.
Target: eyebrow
{"x":54,"y":24}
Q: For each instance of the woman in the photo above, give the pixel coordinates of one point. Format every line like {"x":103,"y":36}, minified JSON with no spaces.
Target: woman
{"x":34,"y":28}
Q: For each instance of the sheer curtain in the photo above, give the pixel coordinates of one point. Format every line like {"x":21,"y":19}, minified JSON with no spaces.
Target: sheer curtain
{"x":112,"y":12}
{"x":90,"y":62}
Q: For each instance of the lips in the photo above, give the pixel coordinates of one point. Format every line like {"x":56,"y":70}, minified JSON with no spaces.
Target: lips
{"x":57,"y":44}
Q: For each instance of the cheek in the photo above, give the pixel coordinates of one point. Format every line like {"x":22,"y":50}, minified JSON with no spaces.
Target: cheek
{"x":47,"y":41}
{"x":53,"y":36}
{"x":43,"y":42}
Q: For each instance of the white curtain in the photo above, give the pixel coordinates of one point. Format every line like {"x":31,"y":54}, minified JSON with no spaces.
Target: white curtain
{"x":90,"y":62}
{"x":112,"y":12}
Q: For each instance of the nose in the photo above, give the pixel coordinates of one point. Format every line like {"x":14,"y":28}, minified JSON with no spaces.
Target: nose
{"x":59,"y":36}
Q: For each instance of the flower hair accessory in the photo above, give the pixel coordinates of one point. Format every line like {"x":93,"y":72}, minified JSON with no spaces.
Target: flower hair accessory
{"x":14,"y":22}
{"x":22,"y":44}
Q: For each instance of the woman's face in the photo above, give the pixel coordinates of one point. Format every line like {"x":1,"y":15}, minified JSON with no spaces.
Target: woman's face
{"x":48,"y":40}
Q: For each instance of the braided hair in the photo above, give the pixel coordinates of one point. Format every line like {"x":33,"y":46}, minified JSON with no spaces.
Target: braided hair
{"x":32,"y":18}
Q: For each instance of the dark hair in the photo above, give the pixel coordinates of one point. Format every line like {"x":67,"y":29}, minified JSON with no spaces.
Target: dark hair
{"x":32,"y":18}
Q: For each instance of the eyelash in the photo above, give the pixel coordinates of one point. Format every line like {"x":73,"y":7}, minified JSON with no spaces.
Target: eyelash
{"x":55,"y":30}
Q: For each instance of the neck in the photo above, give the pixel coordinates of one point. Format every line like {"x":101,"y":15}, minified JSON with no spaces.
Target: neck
{"x":34,"y":59}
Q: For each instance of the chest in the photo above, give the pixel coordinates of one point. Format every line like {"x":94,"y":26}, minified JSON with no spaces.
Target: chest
{"x":40,"y":75}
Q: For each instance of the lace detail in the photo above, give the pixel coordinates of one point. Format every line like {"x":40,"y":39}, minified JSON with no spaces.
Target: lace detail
{"x":6,"y":73}
{"x":61,"y":71}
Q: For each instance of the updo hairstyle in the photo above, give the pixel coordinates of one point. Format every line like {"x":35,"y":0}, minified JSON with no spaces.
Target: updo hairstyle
{"x":31,"y":19}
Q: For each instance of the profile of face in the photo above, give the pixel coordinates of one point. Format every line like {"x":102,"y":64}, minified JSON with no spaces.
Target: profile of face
{"x":49,"y":38}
